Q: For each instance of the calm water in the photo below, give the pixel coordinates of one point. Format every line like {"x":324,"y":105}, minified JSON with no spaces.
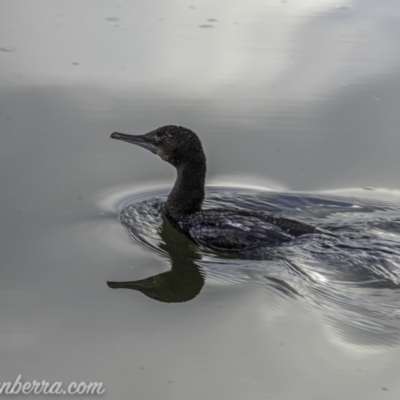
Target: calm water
{"x":297,"y":107}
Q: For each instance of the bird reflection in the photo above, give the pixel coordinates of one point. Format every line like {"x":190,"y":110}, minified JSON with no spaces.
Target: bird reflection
{"x":183,"y":282}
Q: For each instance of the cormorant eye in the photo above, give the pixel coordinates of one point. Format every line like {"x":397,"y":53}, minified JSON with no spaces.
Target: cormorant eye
{"x":157,"y":139}
{"x":153,"y":139}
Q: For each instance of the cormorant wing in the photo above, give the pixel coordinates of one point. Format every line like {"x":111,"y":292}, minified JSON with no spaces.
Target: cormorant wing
{"x":234,"y":230}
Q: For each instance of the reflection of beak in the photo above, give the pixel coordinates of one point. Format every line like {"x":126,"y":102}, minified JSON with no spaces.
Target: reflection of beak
{"x":140,"y":285}
{"x":139,"y":140}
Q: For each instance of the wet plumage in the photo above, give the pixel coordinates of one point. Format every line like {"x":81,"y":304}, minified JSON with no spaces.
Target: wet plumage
{"x":239,"y":230}
{"x":231,"y":230}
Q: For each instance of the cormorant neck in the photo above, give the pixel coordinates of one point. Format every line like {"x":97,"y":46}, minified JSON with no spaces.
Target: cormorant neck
{"x":187,"y":195}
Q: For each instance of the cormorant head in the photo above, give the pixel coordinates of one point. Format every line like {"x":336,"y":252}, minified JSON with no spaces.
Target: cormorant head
{"x":174,"y":144}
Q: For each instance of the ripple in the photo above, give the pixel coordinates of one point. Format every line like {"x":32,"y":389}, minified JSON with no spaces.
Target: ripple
{"x":7,"y":49}
{"x":352,"y":280}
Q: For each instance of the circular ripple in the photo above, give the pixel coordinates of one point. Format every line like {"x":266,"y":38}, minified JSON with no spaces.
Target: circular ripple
{"x":353,"y":279}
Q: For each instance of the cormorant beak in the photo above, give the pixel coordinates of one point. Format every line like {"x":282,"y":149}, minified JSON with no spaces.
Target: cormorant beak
{"x":139,"y":140}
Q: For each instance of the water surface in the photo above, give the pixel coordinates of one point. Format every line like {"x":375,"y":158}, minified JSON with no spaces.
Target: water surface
{"x":296,"y":105}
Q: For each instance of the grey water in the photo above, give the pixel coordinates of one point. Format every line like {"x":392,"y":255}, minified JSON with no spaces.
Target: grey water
{"x":296,"y":104}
